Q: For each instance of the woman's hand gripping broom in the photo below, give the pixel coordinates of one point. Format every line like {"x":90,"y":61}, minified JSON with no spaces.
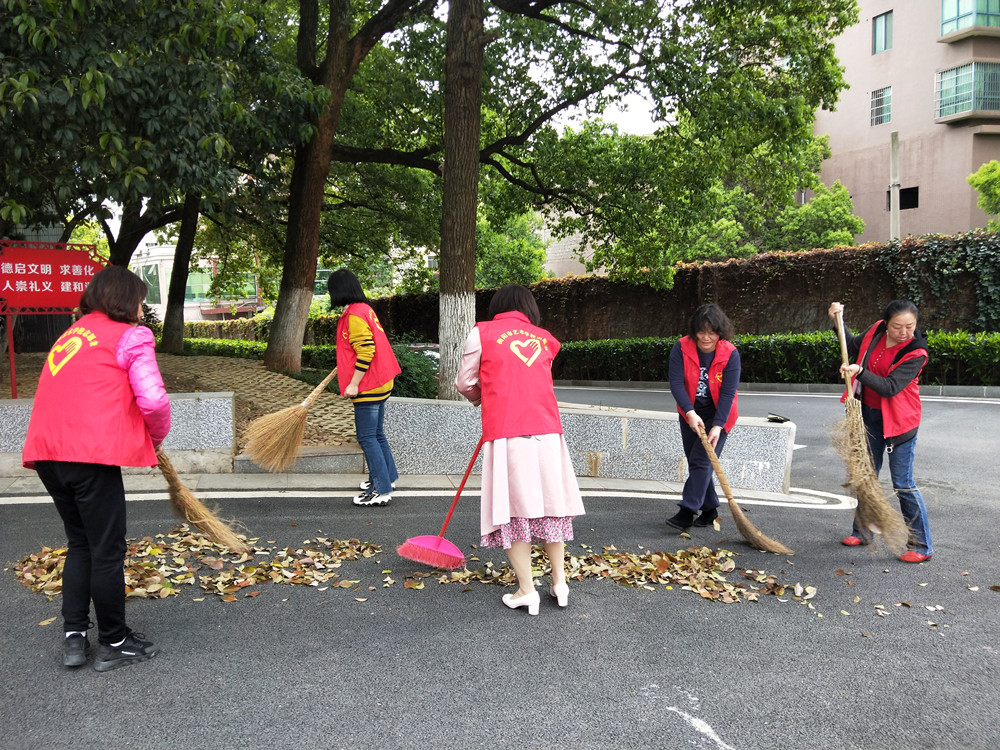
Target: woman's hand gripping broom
{"x":273,"y":441}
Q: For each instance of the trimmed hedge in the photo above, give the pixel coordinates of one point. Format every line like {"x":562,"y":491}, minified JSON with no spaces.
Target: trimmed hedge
{"x":960,"y":358}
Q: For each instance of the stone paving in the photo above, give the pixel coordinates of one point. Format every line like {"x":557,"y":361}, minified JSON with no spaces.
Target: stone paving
{"x":257,"y":390}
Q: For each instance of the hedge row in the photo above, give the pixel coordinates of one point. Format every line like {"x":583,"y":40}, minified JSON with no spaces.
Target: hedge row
{"x":955,"y":359}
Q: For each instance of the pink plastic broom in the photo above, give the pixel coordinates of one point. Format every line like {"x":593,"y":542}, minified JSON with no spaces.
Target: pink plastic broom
{"x":436,"y":550}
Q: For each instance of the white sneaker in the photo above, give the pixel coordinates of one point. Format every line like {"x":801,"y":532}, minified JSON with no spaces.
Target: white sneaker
{"x":367,"y":485}
{"x":371,"y":497}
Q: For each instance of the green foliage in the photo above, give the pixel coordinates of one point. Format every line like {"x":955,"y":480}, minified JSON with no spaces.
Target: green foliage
{"x":942,"y":269}
{"x":512,"y":254}
{"x":827,"y":220}
{"x":955,"y":359}
{"x":986,"y":181}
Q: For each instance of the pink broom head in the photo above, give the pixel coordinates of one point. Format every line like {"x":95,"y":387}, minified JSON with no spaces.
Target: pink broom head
{"x":432,"y":550}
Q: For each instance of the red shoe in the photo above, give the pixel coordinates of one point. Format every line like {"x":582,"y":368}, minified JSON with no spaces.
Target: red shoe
{"x":851,"y":541}
{"x":914,"y":557}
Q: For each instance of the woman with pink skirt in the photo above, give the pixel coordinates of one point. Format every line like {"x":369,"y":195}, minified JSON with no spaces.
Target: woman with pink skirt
{"x":529,"y":488}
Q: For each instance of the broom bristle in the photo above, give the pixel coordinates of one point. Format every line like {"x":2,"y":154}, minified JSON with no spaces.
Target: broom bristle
{"x":874,"y":511}
{"x":273,"y":441}
{"x":749,"y":532}
{"x":424,"y":549}
{"x":753,"y":536}
{"x":194,"y":511}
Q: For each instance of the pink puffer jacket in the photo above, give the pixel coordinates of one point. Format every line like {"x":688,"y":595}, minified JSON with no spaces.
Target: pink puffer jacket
{"x":137,"y":356}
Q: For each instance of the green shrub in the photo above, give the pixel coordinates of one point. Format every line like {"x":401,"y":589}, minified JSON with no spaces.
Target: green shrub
{"x":960,"y":358}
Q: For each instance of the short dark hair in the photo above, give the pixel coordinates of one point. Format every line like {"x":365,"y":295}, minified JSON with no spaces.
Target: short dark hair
{"x":344,"y":288}
{"x":116,"y":292}
{"x":712,"y":317}
{"x":898,"y":306}
{"x":513,"y":297}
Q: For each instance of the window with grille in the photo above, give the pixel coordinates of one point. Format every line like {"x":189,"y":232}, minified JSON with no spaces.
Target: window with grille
{"x":882,"y":32}
{"x":882,"y":105}
{"x":961,"y":14}
{"x":975,"y":86}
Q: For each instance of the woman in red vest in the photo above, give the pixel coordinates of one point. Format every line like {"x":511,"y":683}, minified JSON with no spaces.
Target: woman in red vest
{"x":529,"y":488}
{"x":366,"y":372}
{"x":704,"y":375}
{"x":889,"y":357}
{"x":100,"y":405}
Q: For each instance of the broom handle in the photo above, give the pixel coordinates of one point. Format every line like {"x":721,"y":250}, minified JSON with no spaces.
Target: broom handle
{"x":461,"y":486}
{"x":311,"y":398}
{"x":717,"y":466}
{"x":839,"y":318}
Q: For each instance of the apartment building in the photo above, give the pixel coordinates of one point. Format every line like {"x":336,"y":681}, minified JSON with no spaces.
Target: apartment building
{"x":929,"y":71}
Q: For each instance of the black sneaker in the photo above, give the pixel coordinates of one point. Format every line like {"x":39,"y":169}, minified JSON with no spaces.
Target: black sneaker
{"x":133,"y":649}
{"x":681,"y":520}
{"x":76,"y":648}
{"x":707,"y":518}
{"x":367,"y":485}
{"x":371,"y":497}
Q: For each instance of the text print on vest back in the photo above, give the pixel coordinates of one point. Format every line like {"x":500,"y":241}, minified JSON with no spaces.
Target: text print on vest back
{"x":526,"y":351}
{"x":63,"y":353}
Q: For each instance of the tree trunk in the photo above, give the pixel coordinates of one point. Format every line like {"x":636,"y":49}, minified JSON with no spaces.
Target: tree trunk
{"x":173,"y":319}
{"x":305,"y":202}
{"x":460,"y":198}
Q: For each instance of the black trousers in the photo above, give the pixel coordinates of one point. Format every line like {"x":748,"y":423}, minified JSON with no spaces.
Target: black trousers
{"x":90,"y":499}
{"x":699,"y":490}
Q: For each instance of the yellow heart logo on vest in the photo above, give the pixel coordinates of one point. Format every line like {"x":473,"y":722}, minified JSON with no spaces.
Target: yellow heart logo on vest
{"x":64,"y":353}
{"x":533,"y":347}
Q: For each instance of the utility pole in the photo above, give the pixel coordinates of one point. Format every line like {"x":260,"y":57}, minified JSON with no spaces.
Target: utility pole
{"x":894,"y":185}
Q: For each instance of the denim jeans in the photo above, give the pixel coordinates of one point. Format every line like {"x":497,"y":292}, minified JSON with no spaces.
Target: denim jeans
{"x":911,"y":502}
{"x":368,"y":425}
{"x":699,"y":490}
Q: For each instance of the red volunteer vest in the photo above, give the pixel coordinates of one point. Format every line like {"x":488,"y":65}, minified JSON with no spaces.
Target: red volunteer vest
{"x":900,"y":413}
{"x":692,"y":372}
{"x":84,"y":409}
{"x":384,"y":366}
{"x":515,"y":376}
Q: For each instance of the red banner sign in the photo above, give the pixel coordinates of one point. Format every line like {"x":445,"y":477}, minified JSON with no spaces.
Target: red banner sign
{"x":45,"y":276}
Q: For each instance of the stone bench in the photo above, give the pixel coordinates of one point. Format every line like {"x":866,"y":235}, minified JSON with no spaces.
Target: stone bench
{"x":438,"y":437}
{"x":201,"y":440}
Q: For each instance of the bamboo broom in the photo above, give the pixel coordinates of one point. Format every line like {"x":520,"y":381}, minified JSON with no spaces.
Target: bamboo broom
{"x":274,"y":440}
{"x":195,"y":512}
{"x":750,"y":532}
{"x":874,"y":512}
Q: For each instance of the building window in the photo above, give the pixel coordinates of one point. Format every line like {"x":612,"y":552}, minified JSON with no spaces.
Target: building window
{"x":961,"y":14}
{"x":882,"y":32}
{"x":975,"y":86}
{"x":908,"y":198}
{"x":151,"y":275}
{"x":882,"y":106}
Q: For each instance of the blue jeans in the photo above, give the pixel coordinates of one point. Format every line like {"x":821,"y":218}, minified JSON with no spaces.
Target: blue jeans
{"x":369,"y":419}
{"x":911,"y":502}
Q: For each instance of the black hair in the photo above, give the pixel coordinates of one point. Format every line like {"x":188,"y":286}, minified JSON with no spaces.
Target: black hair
{"x":898,"y":306}
{"x":344,"y":288}
{"x":711,"y":316}
{"x":513,"y":297}
{"x":116,"y":292}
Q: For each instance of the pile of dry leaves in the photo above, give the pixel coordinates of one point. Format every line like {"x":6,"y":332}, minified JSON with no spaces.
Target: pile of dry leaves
{"x":160,"y":566}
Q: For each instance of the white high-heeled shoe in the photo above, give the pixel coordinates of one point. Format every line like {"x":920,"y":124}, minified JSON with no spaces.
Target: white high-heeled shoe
{"x":560,"y":592}
{"x":530,"y":600}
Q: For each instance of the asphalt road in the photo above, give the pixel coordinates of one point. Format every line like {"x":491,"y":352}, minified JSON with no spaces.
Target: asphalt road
{"x":622,"y":667}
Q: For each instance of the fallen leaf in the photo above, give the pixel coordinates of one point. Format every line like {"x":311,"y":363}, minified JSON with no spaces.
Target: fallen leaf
{"x":48,"y":622}
{"x":361,"y":598}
